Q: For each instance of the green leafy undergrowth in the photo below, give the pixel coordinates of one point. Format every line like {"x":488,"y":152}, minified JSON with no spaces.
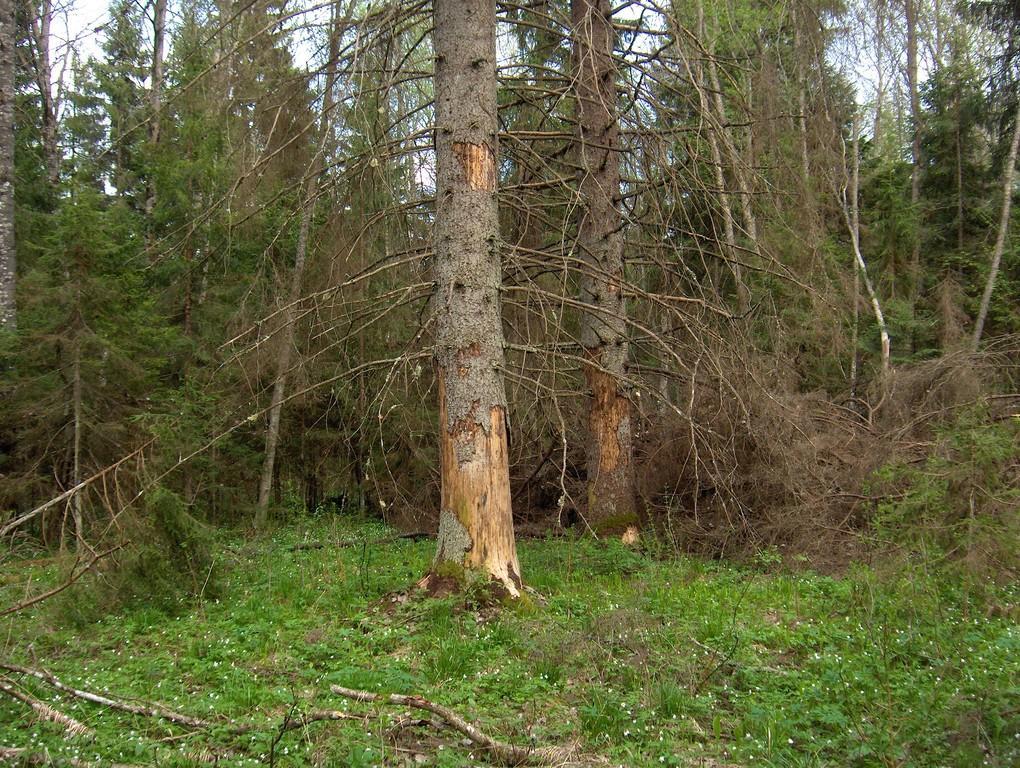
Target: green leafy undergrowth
{"x":643,"y":662}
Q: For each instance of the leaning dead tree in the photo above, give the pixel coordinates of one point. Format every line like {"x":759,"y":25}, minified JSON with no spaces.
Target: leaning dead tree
{"x":475,"y":523}
{"x":851,"y":216}
{"x":1008,"y":172}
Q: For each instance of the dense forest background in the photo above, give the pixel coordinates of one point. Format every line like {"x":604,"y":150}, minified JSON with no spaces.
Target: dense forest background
{"x":222,"y":219}
{"x":546,"y":382}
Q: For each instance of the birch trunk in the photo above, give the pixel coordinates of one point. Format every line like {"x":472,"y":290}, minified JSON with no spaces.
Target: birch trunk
{"x":8,"y":255}
{"x":1000,"y":239}
{"x":851,"y":216}
{"x":476,"y":532}
{"x":612,"y":505}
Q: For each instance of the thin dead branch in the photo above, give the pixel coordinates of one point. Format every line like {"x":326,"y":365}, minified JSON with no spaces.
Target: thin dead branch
{"x":507,"y":754}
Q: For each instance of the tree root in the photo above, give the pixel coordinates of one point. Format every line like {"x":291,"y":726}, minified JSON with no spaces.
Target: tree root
{"x":508,"y":754}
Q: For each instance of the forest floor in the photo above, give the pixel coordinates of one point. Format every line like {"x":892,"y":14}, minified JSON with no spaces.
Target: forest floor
{"x":637,"y":660}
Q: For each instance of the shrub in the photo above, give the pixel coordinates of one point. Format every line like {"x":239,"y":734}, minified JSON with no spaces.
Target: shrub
{"x":958,"y":506}
{"x":166,"y":563}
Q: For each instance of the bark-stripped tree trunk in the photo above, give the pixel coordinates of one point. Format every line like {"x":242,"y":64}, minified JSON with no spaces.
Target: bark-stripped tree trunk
{"x":156,"y":90}
{"x":475,"y":522}
{"x":8,"y":256}
{"x":1000,"y":240}
{"x":294,"y":294}
{"x":611,"y":499}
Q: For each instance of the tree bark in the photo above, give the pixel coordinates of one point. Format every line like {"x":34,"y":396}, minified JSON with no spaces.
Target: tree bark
{"x":851,"y":216}
{"x":156,"y":91}
{"x":916,"y":278}
{"x":876,"y":130}
{"x":475,"y":521}
{"x":76,"y":400}
{"x":743,"y":186}
{"x":717,"y":120}
{"x":8,"y":255}
{"x":1000,"y":240}
{"x":611,"y":498}
{"x":294,"y":294}
{"x":40,"y":27}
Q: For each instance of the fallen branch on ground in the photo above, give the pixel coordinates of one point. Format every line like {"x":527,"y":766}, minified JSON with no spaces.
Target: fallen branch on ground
{"x":414,"y":536}
{"x":23,"y":756}
{"x":153,"y":709}
{"x":508,"y":754}
{"x":43,"y":710}
{"x":145,"y":709}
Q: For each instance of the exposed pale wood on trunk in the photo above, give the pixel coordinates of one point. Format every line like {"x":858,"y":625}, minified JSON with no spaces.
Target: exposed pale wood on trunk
{"x":609,"y":442}
{"x":475,"y":522}
{"x":1000,"y":239}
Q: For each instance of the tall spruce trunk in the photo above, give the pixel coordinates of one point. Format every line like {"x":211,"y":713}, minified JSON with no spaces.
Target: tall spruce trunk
{"x":612,"y":505}
{"x":41,"y":33}
{"x":8,"y":256}
{"x":283,"y":360}
{"x":76,"y":399}
{"x":475,"y":521}
{"x":156,"y":91}
{"x":1000,"y":240}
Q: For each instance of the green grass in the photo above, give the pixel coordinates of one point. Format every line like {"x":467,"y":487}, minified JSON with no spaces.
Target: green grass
{"x":645,"y":662}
